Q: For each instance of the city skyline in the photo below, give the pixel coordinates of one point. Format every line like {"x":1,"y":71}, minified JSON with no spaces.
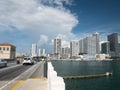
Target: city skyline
{"x":89,"y":47}
{"x":39,"y":21}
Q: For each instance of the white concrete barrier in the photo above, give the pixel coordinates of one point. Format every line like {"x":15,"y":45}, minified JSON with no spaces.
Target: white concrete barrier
{"x":54,"y":82}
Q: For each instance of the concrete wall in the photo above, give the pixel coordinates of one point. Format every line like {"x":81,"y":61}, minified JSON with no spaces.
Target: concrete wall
{"x":54,"y":82}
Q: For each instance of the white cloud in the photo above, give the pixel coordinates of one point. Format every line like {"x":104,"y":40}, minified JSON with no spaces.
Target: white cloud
{"x":35,"y":19}
{"x":56,"y":3}
{"x":43,"y":40}
{"x":66,"y":38}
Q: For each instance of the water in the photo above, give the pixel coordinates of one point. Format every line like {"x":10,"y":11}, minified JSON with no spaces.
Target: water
{"x":76,"y":68}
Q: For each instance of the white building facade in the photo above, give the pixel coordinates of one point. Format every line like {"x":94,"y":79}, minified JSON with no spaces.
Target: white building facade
{"x":57,"y":48}
{"x":96,"y":36}
{"x":65,"y":53}
{"x":81,"y":46}
{"x":7,"y":51}
{"x":90,"y":45}
{"x":34,"y":50}
{"x":42,"y":52}
{"x":74,"y":49}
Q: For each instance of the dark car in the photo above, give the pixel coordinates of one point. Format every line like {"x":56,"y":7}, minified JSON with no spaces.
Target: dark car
{"x":3,"y":63}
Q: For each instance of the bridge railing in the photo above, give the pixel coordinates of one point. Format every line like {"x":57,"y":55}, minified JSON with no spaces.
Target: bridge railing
{"x":54,"y":82}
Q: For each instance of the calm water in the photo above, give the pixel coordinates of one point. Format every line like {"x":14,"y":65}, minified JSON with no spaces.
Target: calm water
{"x":71,"y":68}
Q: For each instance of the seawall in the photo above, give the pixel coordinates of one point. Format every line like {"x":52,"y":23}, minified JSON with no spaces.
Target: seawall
{"x":55,"y":82}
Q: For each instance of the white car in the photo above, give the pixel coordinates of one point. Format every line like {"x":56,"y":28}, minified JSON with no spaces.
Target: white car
{"x":28,"y":61}
{"x":3,"y":63}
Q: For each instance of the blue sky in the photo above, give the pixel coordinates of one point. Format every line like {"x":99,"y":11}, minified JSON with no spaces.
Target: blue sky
{"x":97,"y":15}
{"x":39,"y":21}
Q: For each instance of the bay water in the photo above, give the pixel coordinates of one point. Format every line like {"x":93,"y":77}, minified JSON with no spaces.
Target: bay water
{"x":81,"y":68}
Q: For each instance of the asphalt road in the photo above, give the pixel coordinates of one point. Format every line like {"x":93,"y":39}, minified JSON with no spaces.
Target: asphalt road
{"x":11,"y":73}
{"x":14,"y":73}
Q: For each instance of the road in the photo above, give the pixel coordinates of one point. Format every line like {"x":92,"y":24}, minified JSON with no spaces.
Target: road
{"x":14,"y":73}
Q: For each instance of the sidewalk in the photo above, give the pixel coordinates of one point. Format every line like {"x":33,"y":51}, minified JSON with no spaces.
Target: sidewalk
{"x":31,"y":84}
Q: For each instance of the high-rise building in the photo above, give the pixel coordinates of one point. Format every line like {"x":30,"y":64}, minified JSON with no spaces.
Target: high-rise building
{"x":65,"y":53}
{"x":105,"y":47}
{"x":57,"y":47}
{"x":90,"y":45}
{"x":42,"y":52}
{"x":39,"y":53}
{"x":114,"y":46}
{"x":119,"y":48}
{"x":34,"y":50}
{"x":81,"y":46}
{"x":96,"y":35}
{"x":74,"y":49}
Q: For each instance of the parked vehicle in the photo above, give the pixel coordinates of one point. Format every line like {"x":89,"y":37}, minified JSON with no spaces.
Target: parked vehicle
{"x":28,"y":61}
{"x":3,"y":63}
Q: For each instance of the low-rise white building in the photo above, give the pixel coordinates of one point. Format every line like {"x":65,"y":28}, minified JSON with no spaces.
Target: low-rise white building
{"x":7,"y":51}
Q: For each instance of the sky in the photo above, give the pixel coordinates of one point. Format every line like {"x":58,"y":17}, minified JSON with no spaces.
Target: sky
{"x":24,"y":22}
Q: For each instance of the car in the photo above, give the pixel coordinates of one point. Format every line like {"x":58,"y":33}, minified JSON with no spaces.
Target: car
{"x":28,"y":61}
{"x":3,"y":63}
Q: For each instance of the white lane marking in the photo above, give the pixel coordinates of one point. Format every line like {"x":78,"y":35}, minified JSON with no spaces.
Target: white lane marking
{"x":15,"y":79}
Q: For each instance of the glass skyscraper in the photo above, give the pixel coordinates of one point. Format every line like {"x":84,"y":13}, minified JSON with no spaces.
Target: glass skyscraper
{"x":114,"y":46}
{"x":105,"y":48}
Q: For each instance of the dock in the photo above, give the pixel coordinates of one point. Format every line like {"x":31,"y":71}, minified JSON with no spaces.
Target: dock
{"x":88,"y":76}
